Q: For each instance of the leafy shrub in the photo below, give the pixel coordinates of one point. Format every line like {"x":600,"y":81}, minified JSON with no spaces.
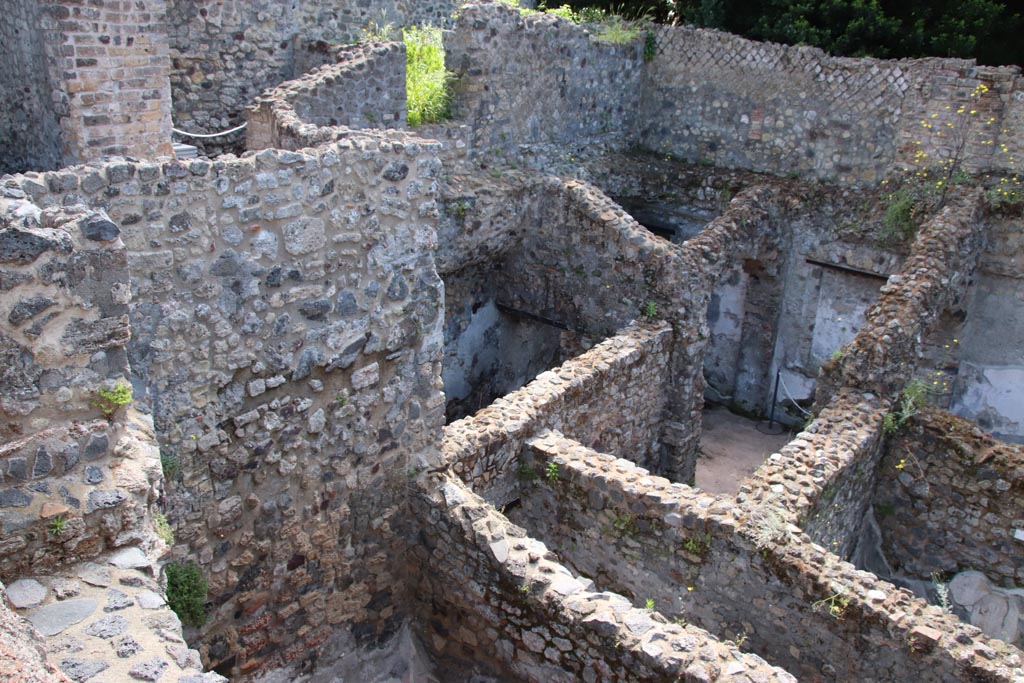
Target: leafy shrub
{"x":186,"y":593}
{"x":109,"y":399}
{"x":427,"y":82}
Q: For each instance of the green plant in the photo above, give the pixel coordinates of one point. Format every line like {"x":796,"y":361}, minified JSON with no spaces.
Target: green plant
{"x":170,"y":465}
{"x":551,"y":472}
{"x":835,"y":604}
{"x":163,"y":528}
{"x":649,"y":310}
{"x":942,"y":593}
{"x":649,"y":604}
{"x":911,"y":400}
{"x":526,"y":473}
{"x":837,"y":355}
{"x":186,"y":593}
{"x":427,"y":81}
{"x":904,"y":210}
{"x":650,"y":46}
{"x":564,"y":11}
{"x":616,"y":30}
{"x":697,"y":545}
{"x":884,"y":510}
{"x":57,"y":525}
{"x":341,"y":399}
{"x":110,"y":398}
{"x":624,"y":525}
{"x":377,"y":31}
{"x":768,"y":524}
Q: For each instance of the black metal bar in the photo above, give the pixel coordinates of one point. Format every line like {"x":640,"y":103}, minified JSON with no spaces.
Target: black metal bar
{"x":775,"y":398}
{"x":530,"y":316}
{"x":848,"y":269}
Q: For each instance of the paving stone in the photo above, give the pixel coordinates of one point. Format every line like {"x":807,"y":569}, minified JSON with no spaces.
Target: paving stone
{"x":184,"y":657}
{"x":150,"y":600}
{"x":26,"y":593}
{"x":126,"y":647}
{"x":149,"y":670}
{"x":95,"y":574}
{"x":51,"y":619}
{"x":65,"y":588}
{"x":107,"y":627}
{"x":80,"y":670}
{"x":130,"y":558}
{"x":68,"y":644}
{"x":117,"y":600}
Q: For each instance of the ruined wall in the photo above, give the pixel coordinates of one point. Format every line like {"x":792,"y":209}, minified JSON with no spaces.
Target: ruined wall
{"x":719,"y":98}
{"x":608,"y":396}
{"x":287,"y":318}
{"x":948,"y":498}
{"x":788,"y":600}
{"x":521,"y":612}
{"x":22,"y":657}
{"x":490,"y":351}
{"x":63,"y":333}
{"x":987,"y":387}
{"x":365,"y":88}
{"x":539,"y":81}
{"x":883,"y":355}
{"x":79,"y":472}
{"x":29,"y":128}
{"x":224,"y":53}
{"x":113,"y":65}
{"x":608,"y":270}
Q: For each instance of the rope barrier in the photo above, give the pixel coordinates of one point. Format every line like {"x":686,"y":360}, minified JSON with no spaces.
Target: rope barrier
{"x":792,"y":400}
{"x":210,"y":135}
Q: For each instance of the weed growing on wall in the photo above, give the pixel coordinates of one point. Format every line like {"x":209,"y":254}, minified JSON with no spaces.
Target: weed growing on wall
{"x":57,"y":525}
{"x":912,"y":399}
{"x":957,"y":132}
{"x":110,"y":398}
{"x":186,"y":593}
{"x":163,"y":528}
{"x":377,"y":30}
{"x":427,"y":82}
{"x":835,"y":605}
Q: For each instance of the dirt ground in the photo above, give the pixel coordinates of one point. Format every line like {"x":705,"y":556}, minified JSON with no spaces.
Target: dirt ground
{"x":731,"y":449}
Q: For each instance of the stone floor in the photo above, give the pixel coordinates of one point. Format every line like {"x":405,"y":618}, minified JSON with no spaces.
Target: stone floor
{"x":731,"y":448}
{"x":106,"y":621}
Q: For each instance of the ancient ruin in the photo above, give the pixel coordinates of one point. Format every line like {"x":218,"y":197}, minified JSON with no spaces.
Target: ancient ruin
{"x":426,"y":404}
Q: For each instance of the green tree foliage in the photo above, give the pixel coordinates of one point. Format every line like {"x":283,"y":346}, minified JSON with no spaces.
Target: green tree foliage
{"x":987,"y":30}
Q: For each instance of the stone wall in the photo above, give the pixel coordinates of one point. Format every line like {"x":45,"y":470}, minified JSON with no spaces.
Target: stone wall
{"x":365,"y":88}
{"x":540,"y":81}
{"x":113,"y":65}
{"x":490,"y":350}
{"x":883,"y":356}
{"x":519,"y":611}
{"x":29,"y":127}
{"x":987,"y":386}
{"x":717,"y":564}
{"x":719,"y":98}
{"x":64,"y":333}
{"x":948,"y":498}
{"x":80,"y":473}
{"x":608,"y":270}
{"x":223,"y":54}
{"x":23,"y":658}
{"x":287,"y":324}
{"x":822,"y":479}
{"x":613,"y":396}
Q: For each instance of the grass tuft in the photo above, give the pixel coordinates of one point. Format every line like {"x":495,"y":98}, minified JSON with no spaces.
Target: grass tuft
{"x":427,"y":81}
